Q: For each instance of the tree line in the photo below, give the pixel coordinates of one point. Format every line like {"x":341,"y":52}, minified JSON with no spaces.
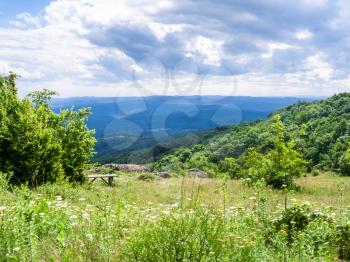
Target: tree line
{"x":304,"y":137}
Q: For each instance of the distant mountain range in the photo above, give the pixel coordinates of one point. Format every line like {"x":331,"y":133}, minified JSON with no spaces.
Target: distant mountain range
{"x":126,"y":124}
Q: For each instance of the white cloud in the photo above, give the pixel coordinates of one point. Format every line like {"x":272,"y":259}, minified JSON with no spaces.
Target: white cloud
{"x":95,"y":47}
{"x":317,"y":67}
{"x":303,"y":34}
{"x":272,"y":47}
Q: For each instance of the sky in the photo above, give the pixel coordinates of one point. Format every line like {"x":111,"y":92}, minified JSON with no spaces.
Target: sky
{"x":169,"y":47}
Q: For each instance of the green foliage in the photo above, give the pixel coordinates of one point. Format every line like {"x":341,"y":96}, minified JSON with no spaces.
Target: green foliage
{"x":230,"y":166}
{"x":256,"y":167}
{"x":279,"y":166}
{"x":171,"y":164}
{"x":317,"y":132}
{"x":344,"y":162}
{"x":295,"y":219}
{"x":4,"y":182}
{"x":315,"y":172}
{"x":343,"y":241}
{"x":65,"y":223}
{"x":167,"y":221}
{"x":146,"y":177}
{"x":104,"y":170}
{"x":37,"y":145}
{"x":193,"y":236}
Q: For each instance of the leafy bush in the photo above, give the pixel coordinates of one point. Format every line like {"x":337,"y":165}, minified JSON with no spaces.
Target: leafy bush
{"x":279,"y":166}
{"x":104,"y":170}
{"x":37,"y":145}
{"x":230,"y":166}
{"x":296,"y":219}
{"x":4,"y":181}
{"x":315,"y":172}
{"x":343,"y":241}
{"x":171,"y":164}
{"x":146,"y":177}
{"x":344,"y":162}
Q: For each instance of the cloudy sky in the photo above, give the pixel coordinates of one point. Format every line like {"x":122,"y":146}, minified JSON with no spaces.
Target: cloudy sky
{"x":150,"y":47}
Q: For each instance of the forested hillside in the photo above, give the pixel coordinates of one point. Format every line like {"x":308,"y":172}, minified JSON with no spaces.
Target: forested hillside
{"x":318,"y":130}
{"x":130,"y":129}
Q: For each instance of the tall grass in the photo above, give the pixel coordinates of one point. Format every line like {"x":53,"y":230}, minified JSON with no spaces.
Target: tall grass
{"x":187,"y":220}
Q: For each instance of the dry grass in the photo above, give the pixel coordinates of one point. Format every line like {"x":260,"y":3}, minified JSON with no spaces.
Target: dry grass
{"x":320,"y":191}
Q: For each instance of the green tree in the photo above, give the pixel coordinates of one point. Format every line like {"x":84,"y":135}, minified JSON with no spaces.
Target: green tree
{"x":344,"y":165}
{"x":279,"y":166}
{"x":34,"y":146}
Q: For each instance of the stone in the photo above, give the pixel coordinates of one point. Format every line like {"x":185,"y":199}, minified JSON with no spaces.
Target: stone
{"x":163,"y":174}
{"x":128,"y":167}
{"x":197,"y":173}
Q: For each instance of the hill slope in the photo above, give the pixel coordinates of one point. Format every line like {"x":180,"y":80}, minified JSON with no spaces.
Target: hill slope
{"x":127,"y":128}
{"x":320,"y":129}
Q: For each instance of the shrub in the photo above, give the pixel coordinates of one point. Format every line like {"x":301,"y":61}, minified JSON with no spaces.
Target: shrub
{"x":104,"y":170}
{"x":171,"y":164}
{"x":147,"y":177}
{"x":344,"y":163}
{"x":279,"y":166}
{"x":315,"y":172}
{"x":230,"y":166}
{"x":4,"y":182}
{"x":343,"y":241}
{"x":296,"y":219}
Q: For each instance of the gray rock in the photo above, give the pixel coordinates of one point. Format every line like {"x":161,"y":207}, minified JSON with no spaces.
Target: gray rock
{"x":128,"y":167}
{"x":163,"y":174}
{"x":197,"y":173}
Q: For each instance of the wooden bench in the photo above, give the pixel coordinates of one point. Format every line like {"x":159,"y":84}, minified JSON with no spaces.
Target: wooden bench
{"x":108,"y":179}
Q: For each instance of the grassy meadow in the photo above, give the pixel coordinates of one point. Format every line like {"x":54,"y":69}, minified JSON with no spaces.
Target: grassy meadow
{"x":176,"y":219}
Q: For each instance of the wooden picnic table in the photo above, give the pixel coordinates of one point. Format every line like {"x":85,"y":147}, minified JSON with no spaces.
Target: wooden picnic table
{"x":108,"y":178}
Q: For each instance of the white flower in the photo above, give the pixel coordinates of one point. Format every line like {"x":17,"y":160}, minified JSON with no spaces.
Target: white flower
{"x":89,"y":236}
{"x":86,"y":216}
{"x":16,"y":249}
{"x":3,"y":208}
{"x":73,"y":217}
{"x":82,"y":199}
{"x":58,"y":198}
{"x":252,"y":198}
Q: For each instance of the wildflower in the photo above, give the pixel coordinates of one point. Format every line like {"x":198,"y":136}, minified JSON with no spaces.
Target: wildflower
{"x":86,"y":216}
{"x":89,"y":236}
{"x":82,"y":199}
{"x":307,"y":203}
{"x":2,"y":208}
{"x":42,"y":214}
{"x":58,"y":198}
{"x":16,"y":249}
{"x":252,"y":198}
{"x":73,"y":217}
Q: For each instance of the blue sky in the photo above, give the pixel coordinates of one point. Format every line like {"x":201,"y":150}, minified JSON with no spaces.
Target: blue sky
{"x":169,"y":47}
{"x":10,"y":8}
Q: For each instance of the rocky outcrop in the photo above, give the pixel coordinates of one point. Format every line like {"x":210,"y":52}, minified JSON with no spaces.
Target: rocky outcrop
{"x":197,"y":173}
{"x":128,"y":167}
{"x":163,"y":174}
